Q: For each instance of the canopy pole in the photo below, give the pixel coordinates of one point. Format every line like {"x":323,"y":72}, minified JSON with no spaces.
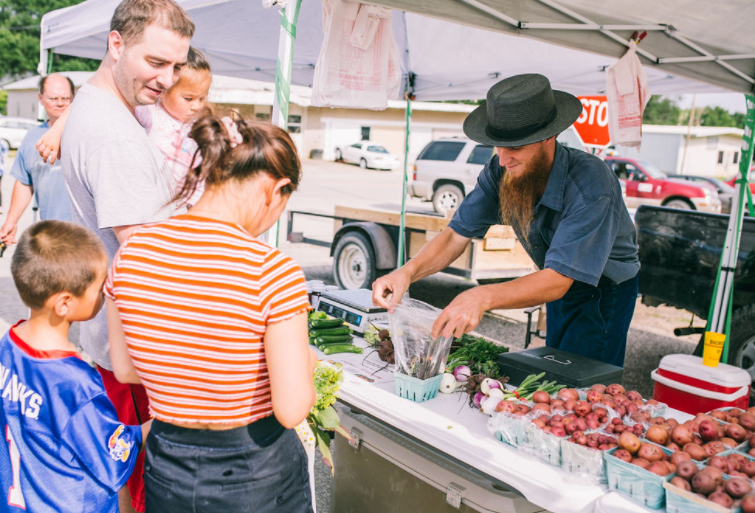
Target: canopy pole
{"x":44,"y":68}
{"x":289,"y":18}
{"x":408,"y":94}
{"x":719,"y":318}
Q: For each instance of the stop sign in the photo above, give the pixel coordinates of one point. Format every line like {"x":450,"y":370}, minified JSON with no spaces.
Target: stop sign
{"x":592,"y":124}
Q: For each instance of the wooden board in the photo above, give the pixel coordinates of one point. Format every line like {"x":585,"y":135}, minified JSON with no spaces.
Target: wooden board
{"x":415,"y":221}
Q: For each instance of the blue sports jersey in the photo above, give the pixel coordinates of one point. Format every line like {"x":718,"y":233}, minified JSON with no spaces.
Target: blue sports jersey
{"x":65,"y":449}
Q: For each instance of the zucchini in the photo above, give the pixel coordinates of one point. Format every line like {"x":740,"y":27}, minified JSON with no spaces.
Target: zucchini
{"x":345,"y":339}
{"x":318,"y":324}
{"x":330,"y":332}
{"x":345,"y":348}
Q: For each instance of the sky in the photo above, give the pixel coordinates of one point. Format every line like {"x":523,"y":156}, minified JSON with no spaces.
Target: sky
{"x":733,"y":102}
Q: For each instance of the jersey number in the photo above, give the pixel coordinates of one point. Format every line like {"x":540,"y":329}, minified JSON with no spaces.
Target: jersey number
{"x":15,"y":496}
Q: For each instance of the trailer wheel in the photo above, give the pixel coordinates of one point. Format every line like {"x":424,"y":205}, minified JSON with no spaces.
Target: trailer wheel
{"x":354,"y":264}
{"x":742,"y":347}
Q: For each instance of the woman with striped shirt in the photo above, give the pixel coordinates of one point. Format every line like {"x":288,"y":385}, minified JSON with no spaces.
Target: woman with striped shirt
{"x":213,"y":323}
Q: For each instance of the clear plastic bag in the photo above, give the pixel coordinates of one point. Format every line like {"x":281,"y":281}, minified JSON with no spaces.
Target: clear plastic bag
{"x":416,"y":353}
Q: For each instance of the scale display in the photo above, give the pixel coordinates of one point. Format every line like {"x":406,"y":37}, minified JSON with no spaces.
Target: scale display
{"x":355,"y":307}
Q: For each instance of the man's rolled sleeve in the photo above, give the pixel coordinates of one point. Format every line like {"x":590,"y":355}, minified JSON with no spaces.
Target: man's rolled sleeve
{"x":127,"y":185}
{"x":480,"y":209}
{"x":583,"y":241}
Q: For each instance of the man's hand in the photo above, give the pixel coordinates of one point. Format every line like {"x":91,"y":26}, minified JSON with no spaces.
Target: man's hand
{"x":462,"y":315}
{"x":394,"y":285}
{"x":8,"y":232}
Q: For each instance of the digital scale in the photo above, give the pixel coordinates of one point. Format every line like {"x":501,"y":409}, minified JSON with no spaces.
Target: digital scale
{"x":355,"y":307}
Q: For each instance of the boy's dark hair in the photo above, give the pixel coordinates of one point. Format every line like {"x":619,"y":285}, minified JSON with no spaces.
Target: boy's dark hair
{"x":132,"y":17}
{"x":53,"y":257}
{"x":196,"y":60}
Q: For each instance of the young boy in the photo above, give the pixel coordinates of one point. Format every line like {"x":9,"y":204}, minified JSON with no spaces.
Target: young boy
{"x":66,"y":450}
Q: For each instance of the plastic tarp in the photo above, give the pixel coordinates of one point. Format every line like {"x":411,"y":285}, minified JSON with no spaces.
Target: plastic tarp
{"x":450,"y":61}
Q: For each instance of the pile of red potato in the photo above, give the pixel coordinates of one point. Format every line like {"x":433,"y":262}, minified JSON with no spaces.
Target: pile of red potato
{"x":701,"y":438}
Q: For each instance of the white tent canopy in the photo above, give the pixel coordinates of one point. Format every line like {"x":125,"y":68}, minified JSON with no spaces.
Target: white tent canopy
{"x":450,"y":61}
{"x":712,"y":42}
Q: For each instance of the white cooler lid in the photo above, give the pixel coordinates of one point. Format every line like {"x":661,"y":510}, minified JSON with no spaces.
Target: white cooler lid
{"x":724,"y":375}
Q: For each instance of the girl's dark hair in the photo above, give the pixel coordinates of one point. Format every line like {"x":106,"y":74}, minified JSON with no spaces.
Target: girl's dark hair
{"x":196,"y":60}
{"x":264,"y":148}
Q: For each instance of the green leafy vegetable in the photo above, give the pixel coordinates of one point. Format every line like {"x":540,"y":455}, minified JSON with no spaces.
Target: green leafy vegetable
{"x":479,"y":354}
{"x":323,"y":417}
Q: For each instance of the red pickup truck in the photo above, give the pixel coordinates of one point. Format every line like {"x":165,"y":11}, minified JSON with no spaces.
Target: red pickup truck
{"x":647,"y":185}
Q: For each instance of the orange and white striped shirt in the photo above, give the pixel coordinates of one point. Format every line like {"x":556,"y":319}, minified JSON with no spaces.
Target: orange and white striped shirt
{"x":195,"y":296}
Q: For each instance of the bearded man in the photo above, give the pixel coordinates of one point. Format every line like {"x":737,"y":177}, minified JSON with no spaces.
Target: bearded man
{"x":566,"y":208}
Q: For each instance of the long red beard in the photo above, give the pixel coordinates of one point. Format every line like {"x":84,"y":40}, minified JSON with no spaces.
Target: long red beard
{"x":519,"y":195}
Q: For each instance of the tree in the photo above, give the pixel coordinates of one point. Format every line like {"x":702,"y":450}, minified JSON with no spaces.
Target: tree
{"x":4,"y":103}
{"x":661,"y":112}
{"x":19,"y":38}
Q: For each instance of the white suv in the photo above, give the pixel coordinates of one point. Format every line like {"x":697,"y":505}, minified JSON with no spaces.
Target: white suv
{"x":13,"y":130}
{"x":447,"y":169}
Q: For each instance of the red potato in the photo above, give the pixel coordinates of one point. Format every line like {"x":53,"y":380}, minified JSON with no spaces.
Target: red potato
{"x":569,"y":404}
{"x":728,"y":442}
{"x":680,"y":456}
{"x":736,"y":432}
{"x":522,"y":409}
{"x":540,"y":422}
{"x":734,"y":412}
{"x":620,"y":399}
{"x":634,"y":395}
{"x":558,"y":431}
{"x":737,"y":487}
{"x":650,"y":452}
{"x":582,"y":408}
{"x":594,"y":396}
{"x":593,"y":424}
{"x":538,"y":407}
{"x":620,"y":410}
{"x":686,"y":469}
{"x":568,"y":393}
{"x":748,"y":468}
{"x":615,"y":389}
{"x":747,"y":421}
{"x":657,"y":434}
{"x":696,"y":451}
{"x":703,"y":483}
{"x":721,"y":498}
{"x":631,"y":408}
{"x":659,"y":468}
{"x":541,"y":397}
{"x":601,"y":413}
{"x":672,"y":423}
{"x":717,"y":475}
{"x":598,"y":387}
{"x":719,"y":463}
{"x":748,"y":504}
{"x":623,"y":455}
{"x":673,"y":447}
{"x":708,"y":430}
{"x":713,"y":448}
{"x":506,"y":406}
{"x":629,"y":442}
{"x":557,"y":404}
{"x":696,"y":439}
{"x":681,"y":483}
{"x":681,"y":435}
{"x":640,"y":462}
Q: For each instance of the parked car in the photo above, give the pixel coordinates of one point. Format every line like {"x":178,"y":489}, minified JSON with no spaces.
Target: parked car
{"x":13,"y":130}
{"x":368,"y":154}
{"x":680,"y":252}
{"x":750,"y":177}
{"x":447,"y":169}
{"x":648,"y":185}
{"x":725,"y":191}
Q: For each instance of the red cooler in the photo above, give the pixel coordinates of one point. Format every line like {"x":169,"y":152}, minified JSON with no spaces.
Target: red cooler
{"x":684,"y":383}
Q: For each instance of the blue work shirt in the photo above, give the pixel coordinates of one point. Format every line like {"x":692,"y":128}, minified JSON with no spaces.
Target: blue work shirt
{"x":46,"y":180}
{"x":580,"y":227}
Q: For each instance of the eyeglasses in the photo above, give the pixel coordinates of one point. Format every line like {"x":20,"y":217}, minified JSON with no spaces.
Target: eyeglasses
{"x":56,"y":99}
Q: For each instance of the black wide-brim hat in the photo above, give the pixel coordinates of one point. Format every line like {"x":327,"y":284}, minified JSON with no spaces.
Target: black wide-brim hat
{"x":522,"y":110}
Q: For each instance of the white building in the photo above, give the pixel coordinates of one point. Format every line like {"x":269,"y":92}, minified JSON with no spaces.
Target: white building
{"x":312,"y":128}
{"x":712,"y":151}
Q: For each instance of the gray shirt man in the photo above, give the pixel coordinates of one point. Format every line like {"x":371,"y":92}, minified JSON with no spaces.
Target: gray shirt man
{"x":116,"y":177}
